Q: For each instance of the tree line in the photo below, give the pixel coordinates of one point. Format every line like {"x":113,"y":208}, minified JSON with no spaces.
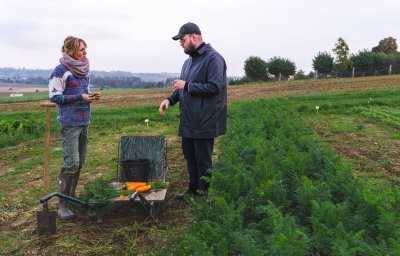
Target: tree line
{"x":383,"y":59}
{"x":102,"y":82}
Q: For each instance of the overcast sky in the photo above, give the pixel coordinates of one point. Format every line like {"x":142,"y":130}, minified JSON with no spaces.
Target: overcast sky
{"x":135,"y":36}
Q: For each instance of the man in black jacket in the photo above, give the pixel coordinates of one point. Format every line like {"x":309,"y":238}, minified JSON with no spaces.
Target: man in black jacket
{"x":202,"y":95}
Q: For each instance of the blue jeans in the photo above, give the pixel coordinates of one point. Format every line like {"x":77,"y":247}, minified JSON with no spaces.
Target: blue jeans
{"x":74,"y":145}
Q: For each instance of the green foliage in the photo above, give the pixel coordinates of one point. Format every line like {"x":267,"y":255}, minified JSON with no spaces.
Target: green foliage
{"x":342,"y":51}
{"x":256,"y":69}
{"x":387,"y":45}
{"x":100,"y":190}
{"x":15,"y":131}
{"x":286,"y":195}
{"x":323,"y":63}
{"x":300,"y":75}
{"x":285,"y":236}
{"x":311,"y":75}
{"x":343,"y":69}
{"x":158,"y":184}
{"x":390,"y":116}
{"x":370,"y":63}
{"x":278,"y":65}
{"x":242,"y":80}
{"x":25,"y":98}
{"x":394,"y":60}
{"x":271,"y":186}
{"x":342,"y":60}
{"x":16,"y":127}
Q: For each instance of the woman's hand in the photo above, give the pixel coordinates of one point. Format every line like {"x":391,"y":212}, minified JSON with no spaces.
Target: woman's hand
{"x":96,"y":95}
{"x":91,"y":97}
{"x":87,"y":98}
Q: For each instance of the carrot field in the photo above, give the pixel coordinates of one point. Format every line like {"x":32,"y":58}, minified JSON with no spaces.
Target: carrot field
{"x":307,"y":168}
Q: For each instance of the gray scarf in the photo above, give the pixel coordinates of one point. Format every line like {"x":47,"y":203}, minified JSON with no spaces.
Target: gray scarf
{"x":78,"y":68}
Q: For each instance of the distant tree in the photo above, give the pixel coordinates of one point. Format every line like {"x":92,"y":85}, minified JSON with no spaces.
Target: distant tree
{"x":168,"y":82}
{"x":394,"y":60}
{"x":280,"y":65}
{"x":323,"y":63}
{"x":311,"y":75}
{"x":341,"y":50}
{"x":256,"y":69}
{"x":387,"y":45}
{"x":237,"y":81}
{"x":342,"y":60}
{"x":300,"y":75}
{"x":370,"y":63}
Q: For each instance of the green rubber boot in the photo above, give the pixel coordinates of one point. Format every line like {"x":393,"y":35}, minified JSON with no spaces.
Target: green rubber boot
{"x":64,"y":188}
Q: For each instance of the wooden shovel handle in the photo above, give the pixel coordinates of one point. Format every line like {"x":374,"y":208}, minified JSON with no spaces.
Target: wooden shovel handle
{"x":48,"y":105}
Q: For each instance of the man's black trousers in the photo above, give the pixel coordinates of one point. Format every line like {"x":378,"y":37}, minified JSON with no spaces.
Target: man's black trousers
{"x":198,"y":154}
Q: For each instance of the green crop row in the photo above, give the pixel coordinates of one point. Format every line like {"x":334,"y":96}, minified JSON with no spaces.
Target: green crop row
{"x":383,"y":114}
{"x":13,"y":132}
{"x":26,"y":98}
{"x":16,"y":127}
{"x":275,"y":191}
{"x":344,"y":103}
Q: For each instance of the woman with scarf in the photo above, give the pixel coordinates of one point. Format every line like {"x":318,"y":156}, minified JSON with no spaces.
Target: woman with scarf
{"x":69,"y":89}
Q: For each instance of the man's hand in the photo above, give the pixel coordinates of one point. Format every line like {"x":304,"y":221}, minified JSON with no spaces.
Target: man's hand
{"x":179,"y":84}
{"x":163,"y":106}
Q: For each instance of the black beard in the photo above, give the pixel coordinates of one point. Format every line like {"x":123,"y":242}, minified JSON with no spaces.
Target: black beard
{"x":190,"y":50}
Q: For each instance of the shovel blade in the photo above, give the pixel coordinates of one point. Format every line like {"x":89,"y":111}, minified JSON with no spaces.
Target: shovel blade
{"x":46,"y":221}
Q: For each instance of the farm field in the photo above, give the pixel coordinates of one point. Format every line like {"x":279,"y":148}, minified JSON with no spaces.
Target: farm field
{"x":130,"y":98}
{"x":7,"y":88}
{"x":357,"y":118}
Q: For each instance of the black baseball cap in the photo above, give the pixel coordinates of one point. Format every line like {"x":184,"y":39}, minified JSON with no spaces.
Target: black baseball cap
{"x":187,"y":28}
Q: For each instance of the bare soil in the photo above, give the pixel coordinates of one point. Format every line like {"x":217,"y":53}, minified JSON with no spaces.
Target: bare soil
{"x":8,"y":88}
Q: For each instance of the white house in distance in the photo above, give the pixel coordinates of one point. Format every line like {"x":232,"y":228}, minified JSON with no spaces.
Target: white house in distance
{"x":16,"y":94}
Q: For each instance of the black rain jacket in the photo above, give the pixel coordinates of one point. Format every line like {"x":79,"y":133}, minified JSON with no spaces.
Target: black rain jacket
{"x":203,"y":102}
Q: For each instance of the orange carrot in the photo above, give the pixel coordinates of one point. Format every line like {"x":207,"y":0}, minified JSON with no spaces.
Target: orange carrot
{"x":143,"y":188}
{"x":134,"y":183}
{"x":134,"y":187}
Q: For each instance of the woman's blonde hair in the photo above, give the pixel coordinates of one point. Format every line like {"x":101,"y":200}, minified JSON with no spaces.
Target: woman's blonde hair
{"x":71,"y":44}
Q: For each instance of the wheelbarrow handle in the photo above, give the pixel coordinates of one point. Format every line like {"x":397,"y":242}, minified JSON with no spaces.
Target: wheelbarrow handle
{"x":67,"y":198}
{"x":47,"y":197}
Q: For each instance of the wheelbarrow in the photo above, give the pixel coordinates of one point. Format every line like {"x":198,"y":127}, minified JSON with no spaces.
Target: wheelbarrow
{"x":131,"y":147}
{"x":149,"y":200}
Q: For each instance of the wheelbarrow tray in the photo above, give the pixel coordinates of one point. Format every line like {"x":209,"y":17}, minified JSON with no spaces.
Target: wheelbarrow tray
{"x":157,"y":195}
{"x":150,"y":200}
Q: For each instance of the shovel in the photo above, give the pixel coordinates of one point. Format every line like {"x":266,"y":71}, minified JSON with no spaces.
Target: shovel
{"x":46,"y":219}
